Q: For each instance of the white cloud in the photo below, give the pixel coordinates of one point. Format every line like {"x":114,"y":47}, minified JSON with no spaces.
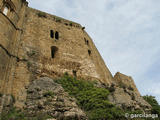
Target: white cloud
{"x":126,"y":32}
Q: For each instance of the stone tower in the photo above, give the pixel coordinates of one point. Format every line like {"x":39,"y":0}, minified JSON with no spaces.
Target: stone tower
{"x":11,"y":20}
{"x":35,"y":44}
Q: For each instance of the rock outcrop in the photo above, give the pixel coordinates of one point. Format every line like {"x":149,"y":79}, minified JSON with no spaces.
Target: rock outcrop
{"x":44,"y":96}
{"x":126,"y":95}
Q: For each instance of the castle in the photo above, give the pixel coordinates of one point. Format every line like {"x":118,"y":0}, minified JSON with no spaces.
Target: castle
{"x":35,"y":44}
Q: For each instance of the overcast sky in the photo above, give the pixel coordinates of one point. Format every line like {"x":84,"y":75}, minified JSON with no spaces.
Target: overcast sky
{"x":126,"y":33}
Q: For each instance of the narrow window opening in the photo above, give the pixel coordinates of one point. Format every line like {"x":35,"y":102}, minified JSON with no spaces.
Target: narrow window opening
{"x":54,"y":49}
{"x":74,"y":73}
{"x":57,"y":35}
{"x":89,"y":52}
{"x":52,"y":33}
{"x":86,"y":41}
{"x":5,"y":10}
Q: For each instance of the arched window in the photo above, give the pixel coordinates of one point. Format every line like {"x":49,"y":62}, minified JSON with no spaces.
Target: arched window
{"x":52,"y":33}
{"x":54,"y":49}
{"x":57,"y":35}
{"x":8,"y":6}
{"x":5,"y":10}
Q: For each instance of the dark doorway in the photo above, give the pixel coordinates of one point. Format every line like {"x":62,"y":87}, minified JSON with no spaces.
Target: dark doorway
{"x":54,"y":49}
{"x":52,"y":33}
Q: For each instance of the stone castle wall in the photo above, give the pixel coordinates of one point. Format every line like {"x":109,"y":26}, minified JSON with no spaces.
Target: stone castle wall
{"x":10,"y":31}
{"x":28,"y":50}
{"x":34,"y":44}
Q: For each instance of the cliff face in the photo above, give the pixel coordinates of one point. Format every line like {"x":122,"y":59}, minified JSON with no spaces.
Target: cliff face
{"x":34,"y":45}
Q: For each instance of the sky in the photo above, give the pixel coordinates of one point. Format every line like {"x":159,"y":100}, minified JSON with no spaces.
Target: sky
{"x":126,"y":33}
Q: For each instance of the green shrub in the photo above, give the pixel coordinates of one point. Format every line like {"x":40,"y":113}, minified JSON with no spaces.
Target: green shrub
{"x":70,"y":23}
{"x":153,"y":102}
{"x":58,"y":19}
{"x":91,"y":99}
{"x":15,"y":114}
{"x":41,"y":14}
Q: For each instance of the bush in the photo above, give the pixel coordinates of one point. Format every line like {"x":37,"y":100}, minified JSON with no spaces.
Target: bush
{"x":91,"y":99}
{"x":70,"y":23}
{"x":41,"y":14}
{"x":15,"y":114}
{"x":153,"y":102}
{"x":58,"y":19}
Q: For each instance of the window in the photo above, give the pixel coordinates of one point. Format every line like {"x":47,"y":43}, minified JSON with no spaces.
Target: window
{"x":86,"y":41}
{"x":5,"y":10}
{"x":89,"y":52}
{"x":57,"y":35}
{"x":52,"y":33}
{"x":54,"y":49}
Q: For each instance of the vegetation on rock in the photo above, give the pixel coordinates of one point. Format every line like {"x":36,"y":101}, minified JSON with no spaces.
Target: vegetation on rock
{"x":15,"y":114}
{"x":41,"y":14}
{"x":153,"y":102}
{"x":91,"y":99}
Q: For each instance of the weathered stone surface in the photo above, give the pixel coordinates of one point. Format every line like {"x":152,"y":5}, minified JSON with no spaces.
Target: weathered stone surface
{"x":47,"y":97}
{"x":126,"y":94}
